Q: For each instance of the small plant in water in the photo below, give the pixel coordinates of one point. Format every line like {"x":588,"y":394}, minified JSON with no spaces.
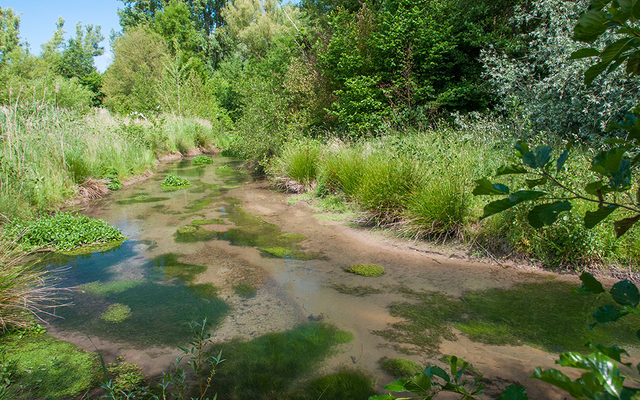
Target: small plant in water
{"x":202,"y":160}
{"x":115,"y":184}
{"x":366,"y":270}
{"x":173,"y":182}
{"x":245,"y":290}
{"x":116,"y":313}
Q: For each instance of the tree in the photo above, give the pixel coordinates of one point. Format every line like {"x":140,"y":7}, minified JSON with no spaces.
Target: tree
{"x":139,"y":59}
{"x":9,"y":33}
{"x":77,"y":57}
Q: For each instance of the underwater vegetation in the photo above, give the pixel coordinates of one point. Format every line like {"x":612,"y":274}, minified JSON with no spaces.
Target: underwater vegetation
{"x":359,"y":291}
{"x":141,"y":198}
{"x":400,"y":367}
{"x":371,"y":270}
{"x":116,"y":313}
{"x":245,"y":290}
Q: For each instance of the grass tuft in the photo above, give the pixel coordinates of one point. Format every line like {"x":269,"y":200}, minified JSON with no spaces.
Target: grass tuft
{"x":370,"y":270}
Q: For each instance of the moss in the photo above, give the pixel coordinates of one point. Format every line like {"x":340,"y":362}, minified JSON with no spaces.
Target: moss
{"x":191,"y":234}
{"x":267,"y":367}
{"x":245,"y":290}
{"x":202,"y":160}
{"x":370,"y":270}
{"x":128,"y":378}
{"x":359,"y":291}
{"x":198,"y":205}
{"x":174,"y":269}
{"x":116,"y":313}
{"x":141,"y":199}
{"x":400,"y":367}
{"x":214,"y":221}
{"x":343,"y":385}
{"x":97,"y":288}
{"x":48,"y":368}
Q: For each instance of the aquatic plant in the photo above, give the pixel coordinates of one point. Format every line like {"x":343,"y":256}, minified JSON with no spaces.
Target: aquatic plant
{"x":141,"y":198}
{"x":400,"y":367}
{"x":358,"y":291}
{"x":370,"y":270}
{"x":342,"y":385}
{"x":214,"y":221}
{"x":245,"y":290}
{"x":47,"y":368}
{"x":62,"y":232}
{"x":172,"y":182}
{"x":191,"y":233}
{"x":116,"y":313}
{"x":114,"y":184}
{"x":97,"y":288}
{"x":202,"y":160}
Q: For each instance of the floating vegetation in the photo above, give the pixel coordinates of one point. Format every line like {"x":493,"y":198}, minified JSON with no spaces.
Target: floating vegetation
{"x":371,"y":270}
{"x":191,"y":234}
{"x":202,"y":160}
{"x":116,"y":313}
{"x":544,"y":315}
{"x":359,"y":291}
{"x":245,"y":290}
{"x":97,"y":288}
{"x":63,"y":232}
{"x":253,"y":231}
{"x":267,"y":367}
{"x":172,"y":182}
{"x":400,"y":367}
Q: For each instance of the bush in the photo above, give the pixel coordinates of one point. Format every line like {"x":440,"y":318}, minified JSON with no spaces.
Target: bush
{"x":299,"y":161}
{"x":202,"y":160}
{"x":173,"y":182}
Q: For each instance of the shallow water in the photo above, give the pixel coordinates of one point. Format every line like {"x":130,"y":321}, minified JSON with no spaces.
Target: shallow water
{"x":198,"y":252}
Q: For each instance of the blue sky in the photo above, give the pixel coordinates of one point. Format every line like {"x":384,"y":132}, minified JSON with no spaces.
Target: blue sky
{"x":39,"y":17}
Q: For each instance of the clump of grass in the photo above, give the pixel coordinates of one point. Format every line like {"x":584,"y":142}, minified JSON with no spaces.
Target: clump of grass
{"x":25,"y":288}
{"x":370,"y":270}
{"x":214,"y":221}
{"x":298,"y":161}
{"x":202,"y":160}
{"x":63,"y":232}
{"x":172,"y":182}
{"x":245,"y":290}
{"x":116,"y":313}
{"x":400,"y":367}
{"x":204,"y":290}
{"x":98,"y":288}
{"x":115,"y":184}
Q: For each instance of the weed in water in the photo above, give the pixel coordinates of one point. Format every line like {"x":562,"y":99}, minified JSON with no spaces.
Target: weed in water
{"x":400,"y":367}
{"x":142,"y":198}
{"x":97,"y":288}
{"x":116,"y":313}
{"x":172,"y":182}
{"x":214,"y":221}
{"x":115,"y":184}
{"x":204,"y":290}
{"x":202,"y":160}
{"x":245,"y":290}
{"x":359,"y":291}
{"x":174,"y":269}
{"x":370,"y":270}
{"x":191,"y":234}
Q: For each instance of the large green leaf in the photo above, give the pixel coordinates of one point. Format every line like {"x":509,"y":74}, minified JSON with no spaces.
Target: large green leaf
{"x":559,"y":380}
{"x":514,"y":392}
{"x":593,"y":218}
{"x":583,"y":53}
{"x":615,"y":165}
{"x":511,"y":169}
{"x":603,"y":368}
{"x":513,"y":199}
{"x":614,"y":352}
{"x":546,"y":214}
{"x":419,"y":384}
{"x":485,"y":187}
{"x":608,"y":313}
{"x":625,"y":293}
{"x":592,"y":73}
{"x":590,"y":26}
{"x":538,"y":157}
{"x":434,"y":370}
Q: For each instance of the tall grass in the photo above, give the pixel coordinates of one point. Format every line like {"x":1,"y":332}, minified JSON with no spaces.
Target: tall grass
{"x":46,"y":152}
{"x":25,"y":293}
{"x":421,"y":183}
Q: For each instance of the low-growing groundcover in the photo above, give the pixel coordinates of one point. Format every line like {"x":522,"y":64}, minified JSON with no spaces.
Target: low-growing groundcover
{"x":174,"y":182}
{"x":544,"y":315}
{"x":63,"y":232}
{"x":370,"y":270}
{"x":47,"y":368}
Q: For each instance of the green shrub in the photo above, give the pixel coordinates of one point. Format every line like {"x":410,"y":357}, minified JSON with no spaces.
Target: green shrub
{"x":298,"y":160}
{"x":400,"y":367}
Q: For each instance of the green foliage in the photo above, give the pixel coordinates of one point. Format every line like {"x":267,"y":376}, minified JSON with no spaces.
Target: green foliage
{"x":400,"y":367}
{"x":343,"y":385}
{"x":62,"y":232}
{"x":77,"y":58}
{"x":434,"y":380}
{"x":47,"y":367}
{"x":299,"y":160}
{"x":366,"y":270}
{"x":202,"y":160}
{"x":116,"y":313}
{"x":173,"y":182}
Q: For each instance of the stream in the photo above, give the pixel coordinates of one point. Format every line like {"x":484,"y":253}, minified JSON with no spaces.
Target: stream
{"x":268,"y":275}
